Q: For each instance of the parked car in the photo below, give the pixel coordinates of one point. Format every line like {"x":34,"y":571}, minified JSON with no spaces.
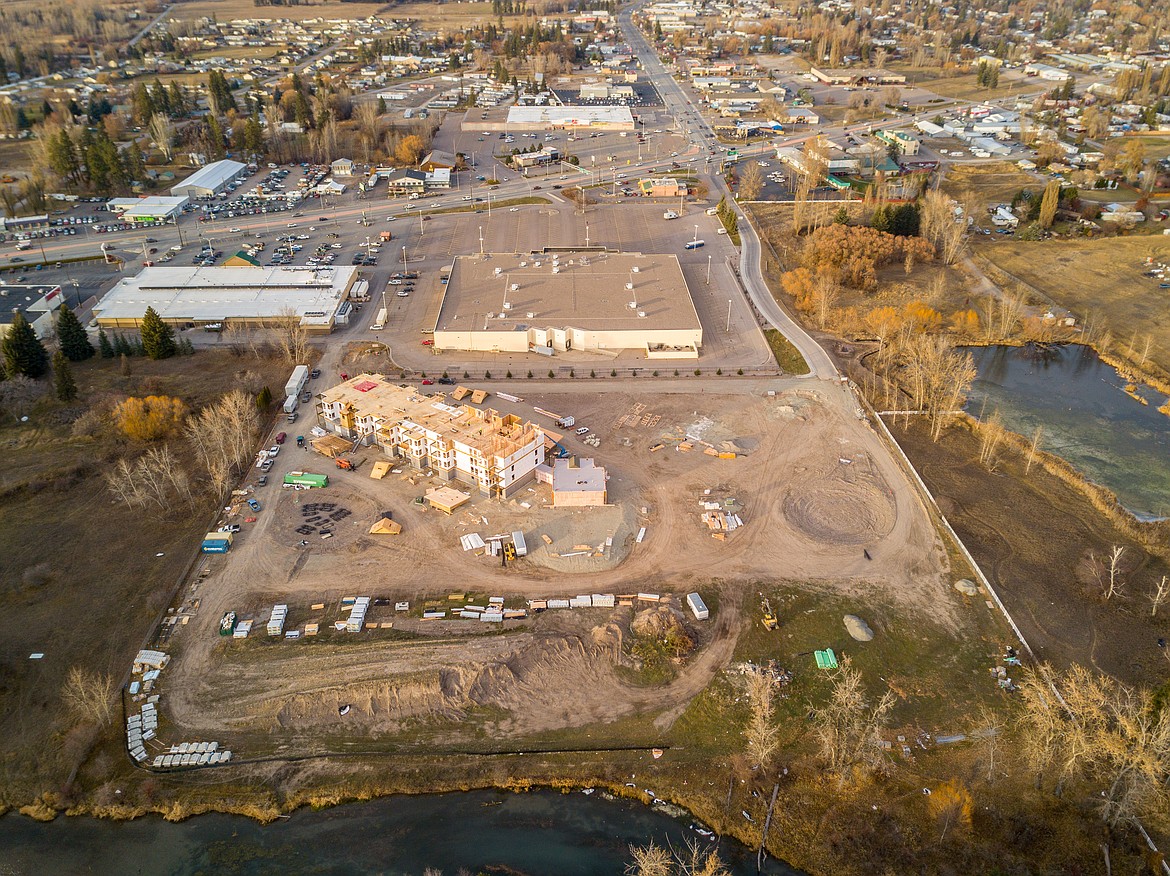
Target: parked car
{"x":280,"y":436}
{"x":253,"y":504}
{"x":427,"y":382}
{"x":263,"y":480}
{"x":584,"y":430}
{"x":428,"y":343}
{"x":273,"y":450}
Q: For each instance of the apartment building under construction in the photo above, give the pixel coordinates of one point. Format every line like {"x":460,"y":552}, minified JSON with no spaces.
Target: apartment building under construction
{"x":492,"y":452}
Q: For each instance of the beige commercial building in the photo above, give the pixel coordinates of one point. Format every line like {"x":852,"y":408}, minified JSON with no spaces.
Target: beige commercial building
{"x":560,"y":301}
{"x":222,"y":297}
{"x":491,"y":452}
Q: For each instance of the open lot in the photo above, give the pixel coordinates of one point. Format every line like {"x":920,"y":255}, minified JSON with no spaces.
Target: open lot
{"x":224,"y":10}
{"x":984,"y":185}
{"x":1099,"y":278}
{"x":811,"y":499}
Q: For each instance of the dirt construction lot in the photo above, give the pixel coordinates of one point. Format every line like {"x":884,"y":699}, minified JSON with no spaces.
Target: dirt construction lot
{"x":812,"y":489}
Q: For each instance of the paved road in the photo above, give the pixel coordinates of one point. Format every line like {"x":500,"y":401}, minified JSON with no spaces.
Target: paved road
{"x":820,"y":365}
{"x":138,"y":36}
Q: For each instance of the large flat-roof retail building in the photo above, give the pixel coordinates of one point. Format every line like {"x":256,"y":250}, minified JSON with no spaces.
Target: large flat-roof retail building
{"x":492,"y":452}
{"x":225,"y":296}
{"x":545,"y":118}
{"x":560,"y":301}
{"x":210,"y":180}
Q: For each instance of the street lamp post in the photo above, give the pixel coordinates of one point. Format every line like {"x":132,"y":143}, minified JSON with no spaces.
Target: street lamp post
{"x":708,"y":270}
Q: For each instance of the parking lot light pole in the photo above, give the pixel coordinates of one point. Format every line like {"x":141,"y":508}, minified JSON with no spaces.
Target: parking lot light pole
{"x":708,"y":270}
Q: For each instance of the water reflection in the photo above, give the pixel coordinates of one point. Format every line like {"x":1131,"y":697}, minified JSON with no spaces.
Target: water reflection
{"x":1086,"y":414}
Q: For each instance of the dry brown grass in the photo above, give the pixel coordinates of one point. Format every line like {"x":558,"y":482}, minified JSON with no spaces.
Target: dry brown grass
{"x":985,"y":184}
{"x":1099,"y":278}
{"x":226,"y":10}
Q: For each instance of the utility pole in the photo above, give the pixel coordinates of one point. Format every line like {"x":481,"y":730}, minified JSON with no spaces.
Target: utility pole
{"x":727,"y":327}
{"x":708,"y":270}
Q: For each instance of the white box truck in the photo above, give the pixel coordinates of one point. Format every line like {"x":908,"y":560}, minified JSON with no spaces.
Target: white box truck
{"x":670,"y":214}
{"x":290,"y":404}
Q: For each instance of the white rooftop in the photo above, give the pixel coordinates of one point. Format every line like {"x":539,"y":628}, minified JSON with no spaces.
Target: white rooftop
{"x":217,"y":294}
{"x":577,"y":476}
{"x":570,"y":115}
{"x":213,"y":175}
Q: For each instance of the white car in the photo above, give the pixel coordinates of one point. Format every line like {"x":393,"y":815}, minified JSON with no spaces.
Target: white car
{"x":391,"y":218}
{"x":402,"y":293}
{"x":467,"y":197}
{"x":513,"y":209}
{"x":395,"y":282}
{"x":273,"y":451}
{"x":233,"y":231}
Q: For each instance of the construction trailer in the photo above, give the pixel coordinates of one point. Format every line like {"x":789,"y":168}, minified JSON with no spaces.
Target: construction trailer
{"x":696,"y":605}
{"x":520,"y":544}
{"x":297,"y":380}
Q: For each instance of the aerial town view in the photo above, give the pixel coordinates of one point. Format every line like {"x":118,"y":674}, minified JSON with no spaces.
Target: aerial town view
{"x":674,"y":438}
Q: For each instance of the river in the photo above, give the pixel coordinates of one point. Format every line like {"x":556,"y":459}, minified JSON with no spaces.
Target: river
{"x":483,"y":831}
{"x":1087,"y":417}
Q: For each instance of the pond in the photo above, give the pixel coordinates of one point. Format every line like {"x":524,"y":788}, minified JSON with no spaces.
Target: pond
{"x":1087,"y":415}
{"x":483,"y":831}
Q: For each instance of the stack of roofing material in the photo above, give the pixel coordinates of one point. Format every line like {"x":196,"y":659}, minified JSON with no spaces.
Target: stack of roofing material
{"x":495,"y":616}
{"x":514,"y":613}
{"x":242,"y":629}
{"x":147,"y":659}
{"x":469,"y":614}
{"x":649,"y":597}
{"x":149,"y":720}
{"x":357,"y":614}
{"x":276,"y":622}
{"x":538,"y":604}
{"x":580,"y":602}
{"x":558,"y":603}
{"x":434,"y":615}
{"x":603,"y":600}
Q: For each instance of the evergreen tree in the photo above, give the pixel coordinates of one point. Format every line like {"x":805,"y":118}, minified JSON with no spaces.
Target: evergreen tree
{"x":135,"y":162}
{"x":63,"y":380}
{"x":264,"y":399}
{"x":381,"y":105}
{"x":177,"y":101}
{"x":158,"y":338}
{"x":107,"y":349}
{"x":142,"y":103}
{"x":253,"y":137}
{"x":122,"y":346}
{"x":215,"y":148}
{"x":22,"y":350}
{"x":71,"y":336}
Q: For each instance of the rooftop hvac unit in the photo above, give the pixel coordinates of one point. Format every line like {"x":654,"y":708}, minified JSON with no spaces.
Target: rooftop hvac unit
{"x":507,"y":305}
{"x":524,"y":264}
{"x":633,"y":305}
{"x":635,"y":269}
{"x":641,"y":314}
{"x":536,"y":264}
{"x":629,"y":287}
{"x":556,"y":270}
{"x":499,"y":271}
{"x":530,"y":315}
{"x":515,"y":287}
{"x":503,"y":316}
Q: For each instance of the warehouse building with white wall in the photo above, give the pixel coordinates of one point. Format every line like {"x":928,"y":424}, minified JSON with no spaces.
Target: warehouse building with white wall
{"x":211,"y":179}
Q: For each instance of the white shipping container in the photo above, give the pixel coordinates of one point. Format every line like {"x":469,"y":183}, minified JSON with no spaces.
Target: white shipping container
{"x":695,"y":601}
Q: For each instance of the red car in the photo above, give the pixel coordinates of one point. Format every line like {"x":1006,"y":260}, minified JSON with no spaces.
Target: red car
{"x":280,"y":438}
{"x":428,"y":343}
{"x":427,"y":382}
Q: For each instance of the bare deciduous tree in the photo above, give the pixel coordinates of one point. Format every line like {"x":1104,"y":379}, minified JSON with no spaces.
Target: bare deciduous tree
{"x":751,"y":181}
{"x":156,"y":479}
{"x":1033,"y":448}
{"x":1104,"y":731}
{"x":943,"y":226}
{"x":762,"y":734}
{"x":291,"y":337}
{"x":690,"y":860}
{"x":848,"y":729}
{"x":162,"y":134}
{"x":1160,"y":595}
{"x":89,"y":695}
{"x":223,"y":435}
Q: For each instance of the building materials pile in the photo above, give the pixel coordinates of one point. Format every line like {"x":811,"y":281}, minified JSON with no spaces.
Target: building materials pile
{"x":276,"y":622}
{"x":357,"y":615}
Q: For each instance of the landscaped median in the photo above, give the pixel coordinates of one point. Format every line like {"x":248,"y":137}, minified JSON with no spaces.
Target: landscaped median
{"x":473,"y":206}
{"x":787,"y":356}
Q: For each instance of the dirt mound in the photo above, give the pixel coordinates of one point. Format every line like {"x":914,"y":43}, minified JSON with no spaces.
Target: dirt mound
{"x":380,"y":704}
{"x":836,"y":511}
{"x":657,"y":622}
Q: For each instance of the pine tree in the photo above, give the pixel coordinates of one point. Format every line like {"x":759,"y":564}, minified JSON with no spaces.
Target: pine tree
{"x":22,"y":350}
{"x":107,"y":349}
{"x":122,"y":346}
{"x":264,"y":399}
{"x":158,"y":338}
{"x":63,"y":378}
{"x":71,"y":336}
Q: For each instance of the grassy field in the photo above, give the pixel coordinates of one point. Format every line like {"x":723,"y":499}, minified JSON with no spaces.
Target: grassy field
{"x":1157,"y":145}
{"x":438,"y":15}
{"x":1102,"y":278}
{"x":83,"y":577}
{"x":227,"y":10}
{"x":982,"y":185}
